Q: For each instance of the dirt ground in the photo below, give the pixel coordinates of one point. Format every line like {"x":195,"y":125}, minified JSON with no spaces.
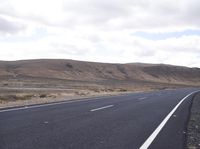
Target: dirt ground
{"x":12,"y":97}
{"x":27,"y":93}
{"x":193,"y":134}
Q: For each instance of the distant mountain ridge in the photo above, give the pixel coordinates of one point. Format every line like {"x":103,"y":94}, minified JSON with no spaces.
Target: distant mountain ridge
{"x":70,"y":70}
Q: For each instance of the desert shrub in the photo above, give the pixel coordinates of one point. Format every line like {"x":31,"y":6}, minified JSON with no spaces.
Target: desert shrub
{"x":110,"y":90}
{"x":8,"y":98}
{"x":43,"y":96}
{"x":69,"y":65}
{"x":15,"y":97}
{"x":96,"y":90}
{"x":110,"y":72}
{"x":122,"y":90}
{"x":28,"y":96}
{"x":81,"y":93}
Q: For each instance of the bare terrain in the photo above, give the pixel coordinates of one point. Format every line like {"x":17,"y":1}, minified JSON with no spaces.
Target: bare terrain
{"x":45,"y":80}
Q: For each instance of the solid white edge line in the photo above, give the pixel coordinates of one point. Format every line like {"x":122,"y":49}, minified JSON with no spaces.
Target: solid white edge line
{"x":151,"y":138}
{"x":47,"y":104}
{"x":56,"y":103}
{"x":101,"y":108}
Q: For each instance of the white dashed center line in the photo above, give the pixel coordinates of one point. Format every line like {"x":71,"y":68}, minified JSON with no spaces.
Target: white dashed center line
{"x":101,"y":108}
{"x":142,"y":98}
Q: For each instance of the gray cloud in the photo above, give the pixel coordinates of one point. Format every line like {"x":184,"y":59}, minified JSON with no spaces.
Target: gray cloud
{"x":135,"y":14}
{"x":100,"y":12}
{"x":10,"y":27}
{"x":102,"y":30}
{"x":118,"y":14}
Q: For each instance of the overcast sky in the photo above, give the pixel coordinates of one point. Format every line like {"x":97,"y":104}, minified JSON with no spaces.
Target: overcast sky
{"x":122,"y":31}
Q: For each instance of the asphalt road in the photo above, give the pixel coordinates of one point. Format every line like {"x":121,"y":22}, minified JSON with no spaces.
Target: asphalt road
{"x":117,"y":122}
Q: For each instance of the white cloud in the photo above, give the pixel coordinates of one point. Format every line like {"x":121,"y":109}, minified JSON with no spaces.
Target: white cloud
{"x":100,"y":30}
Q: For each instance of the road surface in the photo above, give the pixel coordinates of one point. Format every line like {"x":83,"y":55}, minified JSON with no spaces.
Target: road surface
{"x":119,"y":122}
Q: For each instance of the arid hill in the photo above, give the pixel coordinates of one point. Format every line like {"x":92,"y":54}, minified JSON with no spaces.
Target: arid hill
{"x":70,"y":74}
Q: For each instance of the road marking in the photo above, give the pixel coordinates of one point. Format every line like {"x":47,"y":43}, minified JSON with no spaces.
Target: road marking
{"x":101,"y":108}
{"x":48,"y":104}
{"x":15,"y":109}
{"x":56,"y":103}
{"x":151,"y":138}
{"x":142,"y":98}
{"x":46,"y":122}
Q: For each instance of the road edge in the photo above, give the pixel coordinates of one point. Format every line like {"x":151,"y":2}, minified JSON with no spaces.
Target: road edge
{"x":158,"y":129}
{"x":192,"y":141}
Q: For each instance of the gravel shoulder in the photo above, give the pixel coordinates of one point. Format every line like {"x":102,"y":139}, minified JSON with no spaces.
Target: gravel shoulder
{"x":193,"y":129}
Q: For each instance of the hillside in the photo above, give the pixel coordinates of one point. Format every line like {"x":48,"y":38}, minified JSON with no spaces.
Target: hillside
{"x":44,"y":80}
{"x":46,"y":72}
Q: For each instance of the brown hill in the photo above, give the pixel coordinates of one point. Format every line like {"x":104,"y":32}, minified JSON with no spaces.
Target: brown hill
{"x":70,"y":74}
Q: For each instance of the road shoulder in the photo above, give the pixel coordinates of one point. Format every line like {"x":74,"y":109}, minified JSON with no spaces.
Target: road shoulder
{"x":193,"y":128}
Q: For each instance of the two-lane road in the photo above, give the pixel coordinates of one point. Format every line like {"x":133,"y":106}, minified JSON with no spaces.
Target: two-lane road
{"x":119,"y":122}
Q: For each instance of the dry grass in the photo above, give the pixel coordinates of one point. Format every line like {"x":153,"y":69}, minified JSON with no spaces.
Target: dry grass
{"x":21,"y":97}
